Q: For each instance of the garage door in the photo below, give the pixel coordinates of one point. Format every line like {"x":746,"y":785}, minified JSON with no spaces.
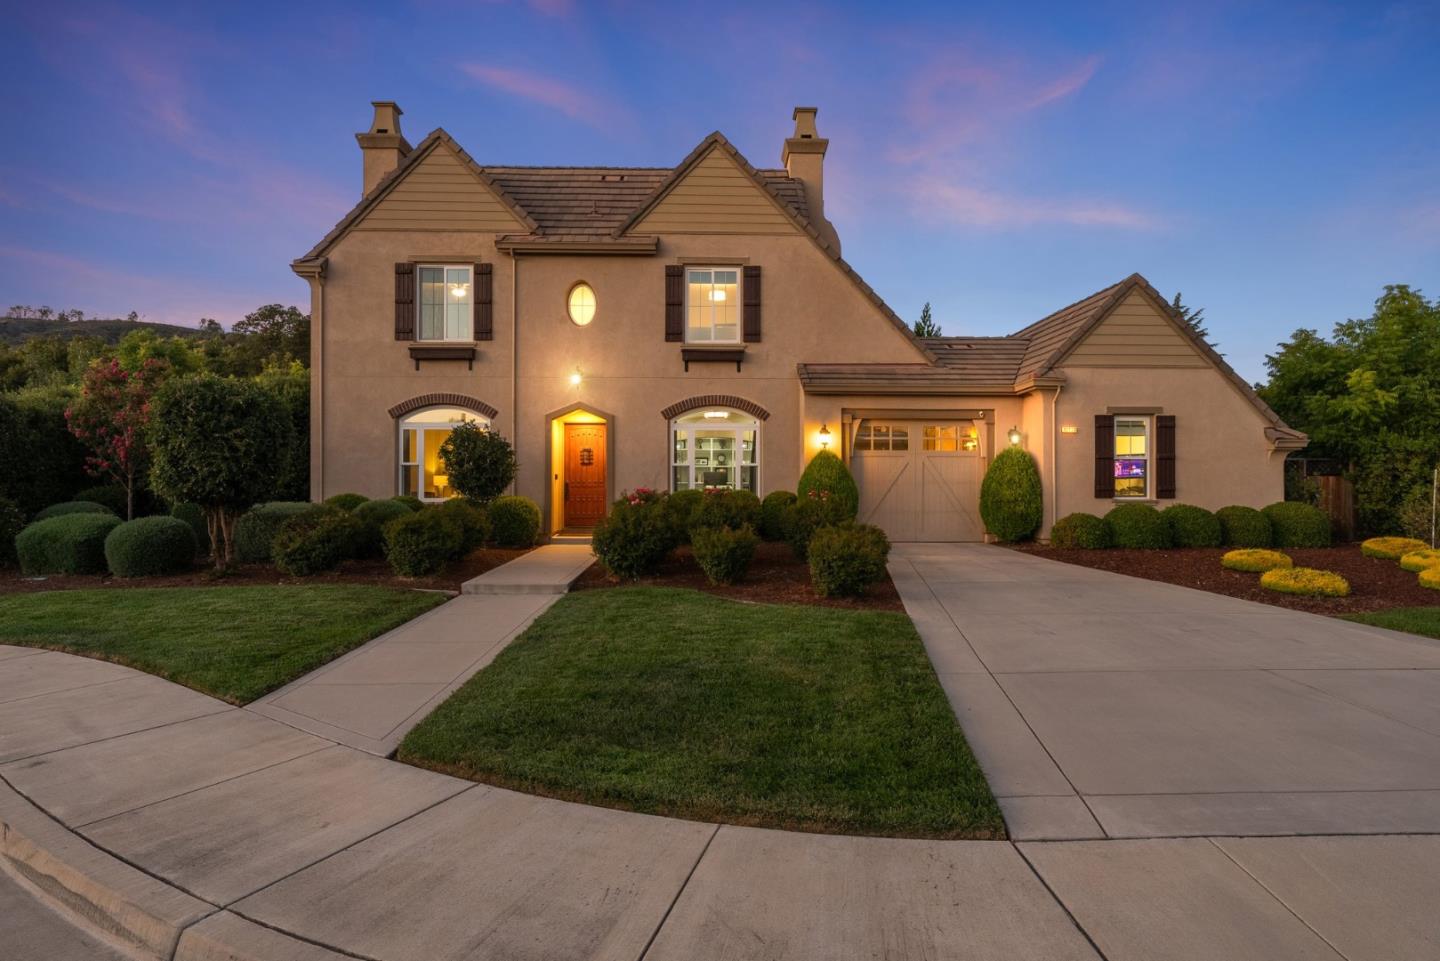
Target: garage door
{"x":919,"y":480}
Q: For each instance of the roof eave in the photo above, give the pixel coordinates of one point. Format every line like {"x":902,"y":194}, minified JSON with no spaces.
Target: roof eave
{"x":632,"y":245}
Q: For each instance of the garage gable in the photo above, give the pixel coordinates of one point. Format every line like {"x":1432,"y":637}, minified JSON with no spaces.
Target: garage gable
{"x":1135,"y":334}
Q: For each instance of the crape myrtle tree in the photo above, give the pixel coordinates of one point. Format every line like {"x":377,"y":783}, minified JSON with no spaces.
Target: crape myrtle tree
{"x":217,"y":442}
{"x":111,"y":419}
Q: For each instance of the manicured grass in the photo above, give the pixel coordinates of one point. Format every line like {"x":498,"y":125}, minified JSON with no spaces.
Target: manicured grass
{"x":1416,"y":620}
{"x":677,"y":702}
{"x":236,"y":643}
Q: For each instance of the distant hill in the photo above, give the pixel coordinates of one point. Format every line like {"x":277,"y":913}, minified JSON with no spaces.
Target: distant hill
{"x":17,"y":330}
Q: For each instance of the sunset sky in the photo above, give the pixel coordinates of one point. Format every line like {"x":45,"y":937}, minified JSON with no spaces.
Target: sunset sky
{"x":1277,"y":163}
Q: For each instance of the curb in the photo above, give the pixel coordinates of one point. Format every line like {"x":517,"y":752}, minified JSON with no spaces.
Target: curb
{"x":229,"y":937}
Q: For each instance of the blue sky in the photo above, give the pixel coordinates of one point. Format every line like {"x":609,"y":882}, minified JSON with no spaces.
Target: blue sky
{"x":1278,"y":163}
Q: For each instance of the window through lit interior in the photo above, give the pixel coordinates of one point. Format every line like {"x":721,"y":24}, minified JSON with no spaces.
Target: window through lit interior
{"x":1132,"y":457}
{"x":581,"y":304}
{"x":715,"y":449}
{"x":422,"y":472}
{"x":713,"y":305}
{"x":446,"y":299}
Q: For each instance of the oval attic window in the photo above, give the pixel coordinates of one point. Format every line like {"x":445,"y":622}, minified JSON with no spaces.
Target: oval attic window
{"x":582,"y":304}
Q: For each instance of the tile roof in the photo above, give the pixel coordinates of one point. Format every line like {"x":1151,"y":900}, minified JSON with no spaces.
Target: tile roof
{"x":987,"y":360}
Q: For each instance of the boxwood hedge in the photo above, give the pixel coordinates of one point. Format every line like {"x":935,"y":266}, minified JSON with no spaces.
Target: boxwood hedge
{"x":1244,"y":527}
{"x":1298,"y":525}
{"x":1137,"y":526}
{"x":68,"y":544}
{"x":149,"y":547}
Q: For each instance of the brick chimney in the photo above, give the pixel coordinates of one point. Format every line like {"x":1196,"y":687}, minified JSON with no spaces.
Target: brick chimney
{"x":383,"y":146}
{"x":804,"y":159}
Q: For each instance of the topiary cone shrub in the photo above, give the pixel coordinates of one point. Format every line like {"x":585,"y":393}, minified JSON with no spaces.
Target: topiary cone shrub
{"x":828,"y":473}
{"x":1010,"y":496}
{"x":150,"y":547}
{"x":1191,"y":526}
{"x":1244,"y":527}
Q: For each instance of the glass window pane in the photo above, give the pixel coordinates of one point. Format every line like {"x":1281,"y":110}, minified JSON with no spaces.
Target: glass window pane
{"x":409,"y":481}
{"x":432,"y":303}
{"x":748,"y":451}
{"x":407,"y":447}
{"x":682,"y":450}
{"x":747,"y":478}
{"x":436,"y":483}
{"x":681,"y":479}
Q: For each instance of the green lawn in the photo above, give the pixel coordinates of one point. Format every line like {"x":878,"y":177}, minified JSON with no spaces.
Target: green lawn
{"x":236,"y":643}
{"x":1416,"y":620}
{"x":677,"y":702}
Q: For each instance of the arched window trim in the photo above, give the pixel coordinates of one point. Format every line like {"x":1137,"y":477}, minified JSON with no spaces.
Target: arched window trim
{"x":412,"y":457}
{"x":692,"y":458}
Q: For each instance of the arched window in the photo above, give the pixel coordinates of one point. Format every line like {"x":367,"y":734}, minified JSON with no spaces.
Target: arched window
{"x":422,"y":474}
{"x":715,"y":447}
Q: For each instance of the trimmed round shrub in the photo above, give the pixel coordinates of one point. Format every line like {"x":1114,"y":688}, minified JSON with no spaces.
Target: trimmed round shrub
{"x":373,"y":516}
{"x":1391,"y":548}
{"x":827,"y":472}
{"x":256,"y":529}
{"x":724,"y":553}
{"x":479,"y":462}
{"x":422,"y":542}
{"x":410,"y":501}
{"x":1305,"y":581}
{"x":724,"y":508}
{"x":1420,"y":560}
{"x":12,"y":522}
{"x":346,"y":502}
{"x":1191,"y":526}
{"x":149,"y":547}
{"x":1298,"y":525}
{"x":1243,"y":527}
{"x":772,"y":515}
{"x":193,"y":515}
{"x":847,"y":558}
{"x":68,"y":544}
{"x":1254,"y":560}
{"x":317,"y":540}
{"x":681,"y":507}
{"x":1430,"y":577}
{"x":72,"y":507}
{"x":1137,"y":526}
{"x":636,"y":535}
{"x":110,"y":496}
{"x":514,"y":521}
{"x":473,"y":521}
{"x":807,"y":515}
{"x":1080,"y":530}
{"x":1010,"y":499}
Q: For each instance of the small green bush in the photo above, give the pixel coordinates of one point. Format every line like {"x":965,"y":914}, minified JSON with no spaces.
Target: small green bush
{"x":150,"y":547}
{"x":1305,"y":581}
{"x":637,"y":534}
{"x":772,"y":515}
{"x":68,"y":544}
{"x":473,"y":520}
{"x":1080,"y":530}
{"x":422,"y":542}
{"x":1391,"y":548}
{"x":1429,"y":577}
{"x":410,"y":501}
{"x":72,"y":507}
{"x":373,"y":516}
{"x":1417,"y":561}
{"x":346,"y":502}
{"x":807,"y":515}
{"x":12,"y":522}
{"x":847,"y":558}
{"x":109,"y":496}
{"x":1191,"y":526}
{"x":1298,"y":525}
{"x":194,"y":515}
{"x":317,"y":540}
{"x":514,"y":521}
{"x":724,"y":553}
{"x":1010,"y":497}
{"x":1244,"y":527}
{"x":681,"y":507}
{"x":1137,"y":526}
{"x":256,"y":529}
{"x":1254,"y":560}
{"x":827,"y":472}
{"x":725,"y":508}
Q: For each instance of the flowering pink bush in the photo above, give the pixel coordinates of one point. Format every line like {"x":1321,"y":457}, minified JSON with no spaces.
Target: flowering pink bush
{"x":111,"y":417}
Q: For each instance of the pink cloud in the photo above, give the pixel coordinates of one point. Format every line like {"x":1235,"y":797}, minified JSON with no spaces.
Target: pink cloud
{"x":969,"y":205}
{"x":572,"y":101}
{"x":1066,"y":85}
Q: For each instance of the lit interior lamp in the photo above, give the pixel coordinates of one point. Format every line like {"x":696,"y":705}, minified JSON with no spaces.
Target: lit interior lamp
{"x":718,"y":296}
{"x":824,"y":437}
{"x":457,"y":290}
{"x":716,"y":415}
{"x":442,"y":481}
{"x":1014,"y":436}
{"x":576,"y":378}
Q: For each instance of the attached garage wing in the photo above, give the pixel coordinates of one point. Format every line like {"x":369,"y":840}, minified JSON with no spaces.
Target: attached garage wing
{"x":919,"y":480}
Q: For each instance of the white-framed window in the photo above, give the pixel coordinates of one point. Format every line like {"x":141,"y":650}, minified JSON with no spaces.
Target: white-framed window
{"x":712,"y":305}
{"x":717,"y":448}
{"x":447,"y":302}
{"x":952,"y":438}
{"x":580,"y":304}
{"x":422,"y":473}
{"x":1132,"y":457}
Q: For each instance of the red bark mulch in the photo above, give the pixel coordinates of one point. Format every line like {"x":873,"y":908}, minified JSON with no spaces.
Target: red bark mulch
{"x":1375,"y":584}
{"x":774,"y":577}
{"x":376,"y":572}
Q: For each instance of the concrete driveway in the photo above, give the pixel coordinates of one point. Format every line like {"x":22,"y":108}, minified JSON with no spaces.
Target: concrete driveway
{"x":1102,"y":705}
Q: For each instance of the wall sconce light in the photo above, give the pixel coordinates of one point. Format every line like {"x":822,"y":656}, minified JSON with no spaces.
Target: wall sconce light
{"x":1015,"y":436}
{"x":576,"y":378}
{"x":1069,"y":429}
{"x":824,"y":437}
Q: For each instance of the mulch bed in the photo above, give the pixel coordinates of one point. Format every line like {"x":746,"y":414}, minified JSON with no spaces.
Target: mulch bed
{"x":1375,"y":584}
{"x":376,"y":572}
{"x":775,"y":577}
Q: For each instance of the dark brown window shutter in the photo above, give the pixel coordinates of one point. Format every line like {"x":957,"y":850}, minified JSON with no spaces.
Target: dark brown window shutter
{"x":405,"y":301}
{"x":1165,"y":456}
{"x":484,"y":302}
{"x":752,"y":305}
{"x":1105,"y":456}
{"x":674,"y":302}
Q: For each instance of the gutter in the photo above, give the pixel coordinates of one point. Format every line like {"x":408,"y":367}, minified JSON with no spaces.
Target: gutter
{"x":1055,"y":456}
{"x":514,"y":353}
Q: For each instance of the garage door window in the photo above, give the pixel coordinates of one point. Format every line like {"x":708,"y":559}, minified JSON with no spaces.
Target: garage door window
{"x":715,"y":450}
{"x":882,"y":437}
{"x":949,"y":438}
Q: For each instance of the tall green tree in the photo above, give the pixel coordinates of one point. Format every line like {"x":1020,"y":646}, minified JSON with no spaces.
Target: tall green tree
{"x":1193,"y":316}
{"x":926,"y":326}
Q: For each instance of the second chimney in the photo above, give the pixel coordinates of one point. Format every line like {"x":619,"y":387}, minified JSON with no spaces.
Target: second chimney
{"x":382,"y":146}
{"x":804,"y":160}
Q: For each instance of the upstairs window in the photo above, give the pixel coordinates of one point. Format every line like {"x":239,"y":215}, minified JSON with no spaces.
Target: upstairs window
{"x":1132,"y":457}
{"x":447,"y":302}
{"x":712,"y":305}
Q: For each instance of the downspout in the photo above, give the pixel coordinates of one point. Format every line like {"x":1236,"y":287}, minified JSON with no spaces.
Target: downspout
{"x":514,"y":354}
{"x":1055,"y":456}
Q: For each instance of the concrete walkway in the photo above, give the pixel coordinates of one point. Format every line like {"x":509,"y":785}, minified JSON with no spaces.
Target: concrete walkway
{"x":1107,"y":706}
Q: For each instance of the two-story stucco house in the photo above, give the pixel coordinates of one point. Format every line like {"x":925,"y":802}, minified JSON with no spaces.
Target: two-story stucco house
{"x":696,"y":326}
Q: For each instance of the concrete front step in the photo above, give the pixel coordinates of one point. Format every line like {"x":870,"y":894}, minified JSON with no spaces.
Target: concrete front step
{"x":546,"y":570}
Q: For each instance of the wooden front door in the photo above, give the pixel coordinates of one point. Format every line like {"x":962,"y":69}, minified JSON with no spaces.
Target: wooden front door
{"x":584,"y":474}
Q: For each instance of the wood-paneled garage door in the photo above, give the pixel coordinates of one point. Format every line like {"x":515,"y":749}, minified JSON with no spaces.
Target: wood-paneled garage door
{"x":919,"y":480}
